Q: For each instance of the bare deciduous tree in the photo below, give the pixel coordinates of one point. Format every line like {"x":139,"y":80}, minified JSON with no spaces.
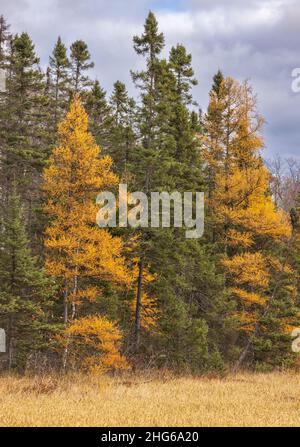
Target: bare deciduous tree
{"x":285,"y":180}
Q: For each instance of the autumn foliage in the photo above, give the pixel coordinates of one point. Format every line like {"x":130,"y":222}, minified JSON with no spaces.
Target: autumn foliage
{"x":74,"y":295}
{"x":246,"y":223}
{"x":77,"y":250}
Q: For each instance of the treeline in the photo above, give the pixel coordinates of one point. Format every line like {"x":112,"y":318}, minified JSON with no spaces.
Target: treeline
{"x":73,"y":295}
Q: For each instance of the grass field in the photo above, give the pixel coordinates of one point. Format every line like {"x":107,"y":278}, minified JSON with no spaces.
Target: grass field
{"x":242,"y":400}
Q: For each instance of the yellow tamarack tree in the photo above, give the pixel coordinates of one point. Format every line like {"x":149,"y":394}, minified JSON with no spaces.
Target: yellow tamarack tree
{"x":244,"y":220}
{"x":99,"y":343}
{"x":78,"y":251}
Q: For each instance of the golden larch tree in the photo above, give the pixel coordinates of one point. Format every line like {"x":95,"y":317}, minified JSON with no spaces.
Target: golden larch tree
{"x":244,"y":220}
{"x":78,"y":251}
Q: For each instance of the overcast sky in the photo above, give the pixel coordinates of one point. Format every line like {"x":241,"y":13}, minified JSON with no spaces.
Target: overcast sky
{"x":254,"y":39}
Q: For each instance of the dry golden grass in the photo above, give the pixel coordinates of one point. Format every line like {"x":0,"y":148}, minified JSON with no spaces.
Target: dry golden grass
{"x":242,"y":400}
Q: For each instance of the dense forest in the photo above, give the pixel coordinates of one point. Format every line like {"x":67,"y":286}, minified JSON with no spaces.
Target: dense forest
{"x":76,"y":296}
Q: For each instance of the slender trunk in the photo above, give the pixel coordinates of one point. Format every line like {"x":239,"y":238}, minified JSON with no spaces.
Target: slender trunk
{"x":56,"y":99}
{"x":66,"y":306}
{"x":245,"y":351}
{"x":226,"y":226}
{"x":11,"y":316}
{"x":139,"y":305}
{"x":74,"y":294}
{"x":77,"y":77}
{"x":10,"y":343}
{"x":127,"y":150}
{"x":66,"y":317}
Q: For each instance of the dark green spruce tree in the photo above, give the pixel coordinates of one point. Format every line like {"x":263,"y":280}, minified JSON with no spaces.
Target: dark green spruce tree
{"x":5,"y":42}
{"x":124,"y":138}
{"x":100,"y":117}
{"x":169,"y":160}
{"x":5,"y":38}
{"x":25,"y":291}
{"x":59,"y":88}
{"x":80,"y":60}
{"x":24,"y":124}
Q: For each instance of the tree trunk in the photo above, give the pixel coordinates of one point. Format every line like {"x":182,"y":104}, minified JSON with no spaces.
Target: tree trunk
{"x":66,"y":306}
{"x":10,"y":343}
{"x":66,"y":317}
{"x":74,"y":294}
{"x":139,"y":305}
{"x":244,"y":353}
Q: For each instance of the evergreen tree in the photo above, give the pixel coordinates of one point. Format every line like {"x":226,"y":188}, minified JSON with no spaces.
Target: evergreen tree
{"x":100,"y":117}
{"x":5,"y":41}
{"x":59,"y":82}
{"x":213,"y":127}
{"x":168,"y":160}
{"x":25,"y":291}
{"x":5,"y":38}
{"x":80,"y":59}
{"x":124,"y":138}
{"x":180,"y":63}
{"x":24,"y":128}
{"x":149,"y":45}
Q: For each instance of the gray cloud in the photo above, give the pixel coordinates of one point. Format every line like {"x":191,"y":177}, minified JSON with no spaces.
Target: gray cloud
{"x":258,"y":40}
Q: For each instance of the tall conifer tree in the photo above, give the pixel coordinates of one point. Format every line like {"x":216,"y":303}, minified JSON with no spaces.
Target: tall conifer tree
{"x":25,"y":291}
